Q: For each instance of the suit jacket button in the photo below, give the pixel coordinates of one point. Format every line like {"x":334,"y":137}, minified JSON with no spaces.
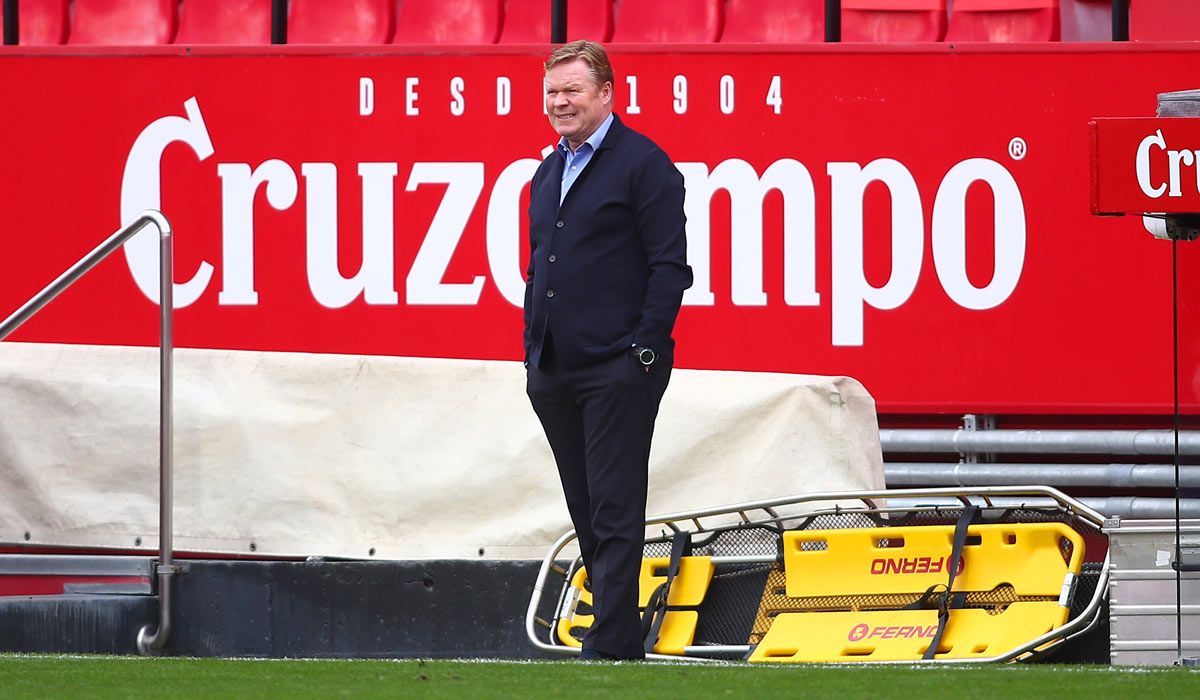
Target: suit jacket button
{"x":559,"y":224}
{"x":552,"y":258}
{"x":549,"y":292}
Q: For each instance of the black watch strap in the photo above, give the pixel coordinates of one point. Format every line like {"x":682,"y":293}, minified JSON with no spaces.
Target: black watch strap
{"x":644,"y":355}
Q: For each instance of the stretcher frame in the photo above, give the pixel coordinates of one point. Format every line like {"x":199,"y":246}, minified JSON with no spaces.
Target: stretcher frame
{"x":792,"y":509}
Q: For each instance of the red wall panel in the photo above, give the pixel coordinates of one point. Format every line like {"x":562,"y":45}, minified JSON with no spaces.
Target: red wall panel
{"x":925,"y":222}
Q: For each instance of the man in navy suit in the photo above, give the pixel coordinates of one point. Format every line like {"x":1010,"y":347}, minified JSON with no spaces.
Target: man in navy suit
{"x":607,"y":272}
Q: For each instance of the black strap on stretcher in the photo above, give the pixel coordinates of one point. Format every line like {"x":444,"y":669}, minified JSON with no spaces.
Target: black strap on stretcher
{"x":656,"y":607}
{"x":947,"y":599}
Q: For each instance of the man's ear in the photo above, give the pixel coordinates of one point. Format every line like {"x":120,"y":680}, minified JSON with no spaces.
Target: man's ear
{"x":606,"y":92}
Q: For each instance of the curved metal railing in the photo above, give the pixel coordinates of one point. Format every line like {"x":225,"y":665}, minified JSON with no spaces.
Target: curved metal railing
{"x":151,"y":638}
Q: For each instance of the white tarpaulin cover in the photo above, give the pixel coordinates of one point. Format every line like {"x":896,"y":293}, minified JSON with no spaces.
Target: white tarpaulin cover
{"x":355,"y":456}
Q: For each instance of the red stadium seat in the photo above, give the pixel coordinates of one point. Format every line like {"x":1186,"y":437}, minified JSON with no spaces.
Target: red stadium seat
{"x":680,"y":21}
{"x":774,"y":21}
{"x":124,"y":22}
{"x":41,"y":22}
{"x":341,"y":22}
{"x":528,"y":21}
{"x":224,"y":22}
{"x":1160,"y":20}
{"x":446,"y":22}
{"x":893,"y":20}
{"x":1004,"y":20}
{"x":1091,"y":20}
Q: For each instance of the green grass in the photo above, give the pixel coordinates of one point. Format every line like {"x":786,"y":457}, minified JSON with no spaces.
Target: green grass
{"x":101,"y":678}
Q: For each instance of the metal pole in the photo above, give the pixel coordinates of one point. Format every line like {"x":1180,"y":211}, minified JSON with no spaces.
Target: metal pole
{"x":558,"y":21}
{"x":1120,"y":20}
{"x":1109,"y":476}
{"x":279,"y":20}
{"x":1124,"y":507}
{"x":1110,"y":442}
{"x":1175,"y":391}
{"x":12,"y":25}
{"x":833,"y":20}
{"x":149,"y":641}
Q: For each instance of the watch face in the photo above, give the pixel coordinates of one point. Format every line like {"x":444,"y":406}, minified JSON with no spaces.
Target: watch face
{"x":646,"y":356}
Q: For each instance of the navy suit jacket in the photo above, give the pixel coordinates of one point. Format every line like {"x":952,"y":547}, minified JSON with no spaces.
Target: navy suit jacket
{"x":608,"y":267}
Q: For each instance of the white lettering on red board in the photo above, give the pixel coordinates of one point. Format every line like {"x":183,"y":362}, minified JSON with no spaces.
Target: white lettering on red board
{"x":366,"y":97}
{"x":850,"y":292}
{"x":456,"y":88}
{"x":141,"y":190}
{"x":1154,"y":187}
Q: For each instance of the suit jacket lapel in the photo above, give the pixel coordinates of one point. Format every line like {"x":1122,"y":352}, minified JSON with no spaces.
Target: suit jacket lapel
{"x":555,"y":177}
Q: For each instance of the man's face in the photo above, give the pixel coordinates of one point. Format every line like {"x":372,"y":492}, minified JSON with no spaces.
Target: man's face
{"x":575,"y":104}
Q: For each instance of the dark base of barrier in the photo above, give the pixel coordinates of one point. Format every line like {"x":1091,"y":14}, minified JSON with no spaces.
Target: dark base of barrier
{"x":84,"y":624}
{"x":426,"y":609}
{"x":360,"y":609}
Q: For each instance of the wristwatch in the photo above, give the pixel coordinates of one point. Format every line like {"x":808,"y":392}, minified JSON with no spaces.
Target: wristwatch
{"x":644,"y":355}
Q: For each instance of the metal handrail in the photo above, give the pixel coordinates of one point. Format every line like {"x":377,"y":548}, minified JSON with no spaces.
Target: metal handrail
{"x":1019,"y":441}
{"x":150,"y":639}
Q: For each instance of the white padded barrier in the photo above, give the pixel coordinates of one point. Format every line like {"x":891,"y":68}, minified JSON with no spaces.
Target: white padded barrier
{"x":386,"y":457}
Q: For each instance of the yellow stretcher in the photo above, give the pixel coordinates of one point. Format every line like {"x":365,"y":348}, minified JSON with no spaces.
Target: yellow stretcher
{"x":863,"y":582}
{"x":904,"y":635}
{"x":1033,"y":564}
{"x":1027,"y":556}
{"x":679,"y":625}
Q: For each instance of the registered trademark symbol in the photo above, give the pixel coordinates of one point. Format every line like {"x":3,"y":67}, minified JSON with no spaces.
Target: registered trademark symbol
{"x":1017,"y":148}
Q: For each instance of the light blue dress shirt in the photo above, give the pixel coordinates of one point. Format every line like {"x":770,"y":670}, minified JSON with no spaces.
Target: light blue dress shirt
{"x":574,"y":163}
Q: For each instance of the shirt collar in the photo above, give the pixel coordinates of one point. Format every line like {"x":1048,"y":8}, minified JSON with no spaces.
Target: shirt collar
{"x":594,"y":140}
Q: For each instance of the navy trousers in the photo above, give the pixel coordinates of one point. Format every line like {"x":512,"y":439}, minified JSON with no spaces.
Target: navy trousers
{"x":599,"y":420}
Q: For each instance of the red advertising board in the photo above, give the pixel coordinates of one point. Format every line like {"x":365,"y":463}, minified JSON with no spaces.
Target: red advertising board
{"x":1146,"y":165}
{"x":916,"y":218}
